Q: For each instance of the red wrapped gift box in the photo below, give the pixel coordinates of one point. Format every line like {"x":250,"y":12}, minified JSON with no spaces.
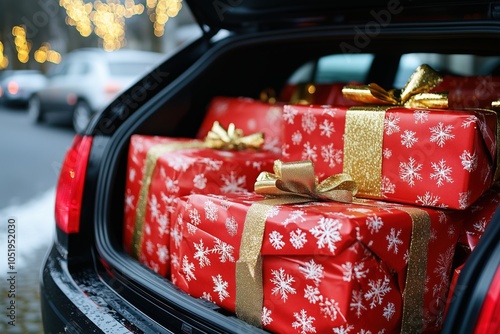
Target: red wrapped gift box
{"x":247,"y":114}
{"x":470,"y":91}
{"x":326,"y":266}
{"x":179,"y":170}
{"x":428,"y":157}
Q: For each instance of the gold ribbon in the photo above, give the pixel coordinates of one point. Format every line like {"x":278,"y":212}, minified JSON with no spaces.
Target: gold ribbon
{"x":232,"y":138}
{"x":298,"y":179}
{"x":291,"y":183}
{"x":217,"y":138}
{"x":415,"y":93}
{"x":364,"y":125}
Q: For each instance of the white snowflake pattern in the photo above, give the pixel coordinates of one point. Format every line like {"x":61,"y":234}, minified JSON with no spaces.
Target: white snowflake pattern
{"x":194,"y":217}
{"x":408,"y":138}
{"x":309,"y":152}
{"x":387,"y":187}
{"x":154,"y":207}
{"x":378,"y":289}
{"x":327,"y":233}
{"x":162,"y":253}
{"x":211,"y":211}
{"x":170,"y":201}
{"x":295,"y":216}
{"x":374,"y":223}
{"x":266,"y":316}
{"x":331,"y":155}
{"x":233,"y":183}
{"x":480,"y":225}
{"x":275,"y":238}
{"x":298,"y":238}
{"x":211,"y":164}
{"x":441,"y":133}
{"x":176,"y":235}
{"x":391,"y":124}
{"x":163,"y":225}
{"x":178,"y":163}
{"x":428,"y":199}
{"x":129,"y":200}
{"x":220,"y":287}
{"x":443,"y":266}
{"x":441,"y":173}
{"x":393,"y":240}
{"x":312,"y":271}
{"x":421,"y":116}
{"x":289,"y":114}
{"x":200,"y":181}
{"x":343,"y":330}
{"x":328,"y":111}
{"x":303,"y":322}
{"x":471,"y":120}
{"x":150,"y":247}
{"x":207,"y":296}
{"x":224,"y":250}
{"x":357,"y":303}
{"x":327,"y":128}
{"x":201,"y":254}
{"x":296,"y":138}
{"x":409,"y":171}
{"x":231,"y":226}
{"x":330,"y":308}
{"x":469,"y":161}
{"x":464,"y":200}
{"x":188,"y":269}
{"x":309,"y":122}
{"x":172,"y":185}
{"x":273,"y":212}
{"x":387,"y":153}
{"x":312,"y":294}
{"x":352,"y":271}
{"x":389,"y":311}
{"x":282,"y":283}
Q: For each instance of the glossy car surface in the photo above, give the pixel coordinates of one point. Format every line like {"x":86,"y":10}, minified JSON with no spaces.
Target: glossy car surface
{"x":90,"y":284}
{"x":18,"y":86}
{"x":86,"y":81}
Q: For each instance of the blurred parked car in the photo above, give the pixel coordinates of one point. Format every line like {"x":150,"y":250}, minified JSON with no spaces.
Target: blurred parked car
{"x":17,"y":86}
{"x":86,"y":81}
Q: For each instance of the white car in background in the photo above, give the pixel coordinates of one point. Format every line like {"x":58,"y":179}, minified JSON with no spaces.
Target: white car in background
{"x":86,"y":81}
{"x":17,"y":86}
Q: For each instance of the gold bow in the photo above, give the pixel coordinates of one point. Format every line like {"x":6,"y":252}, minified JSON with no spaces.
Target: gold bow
{"x":415,"y":94}
{"x":232,"y":138}
{"x":298,"y":179}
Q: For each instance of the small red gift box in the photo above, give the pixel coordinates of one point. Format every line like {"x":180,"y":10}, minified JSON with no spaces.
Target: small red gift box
{"x":247,"y":114}
{"x":470,"y":91}
{"x":427,"y":157}
{"x":323,"y":266}
{"x":162,"y":169}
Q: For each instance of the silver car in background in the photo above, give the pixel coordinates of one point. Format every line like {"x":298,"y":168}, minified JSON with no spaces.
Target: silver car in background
{"x":86,"y":81}
{"x":18,"y":86}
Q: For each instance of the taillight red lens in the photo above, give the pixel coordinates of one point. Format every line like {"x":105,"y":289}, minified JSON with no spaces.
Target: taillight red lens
{"x":489,"y":319}
{"x":70,"y":185}
{"x":13,"y":87}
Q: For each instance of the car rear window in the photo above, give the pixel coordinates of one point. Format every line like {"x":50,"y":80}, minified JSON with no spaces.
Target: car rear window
{"x":128,"y":68}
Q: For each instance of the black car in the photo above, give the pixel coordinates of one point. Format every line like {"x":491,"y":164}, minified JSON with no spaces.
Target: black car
{"x":89,"y":283}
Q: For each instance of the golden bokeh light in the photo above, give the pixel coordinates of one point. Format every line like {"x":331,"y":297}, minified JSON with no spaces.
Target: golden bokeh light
{"x":45,"y":54}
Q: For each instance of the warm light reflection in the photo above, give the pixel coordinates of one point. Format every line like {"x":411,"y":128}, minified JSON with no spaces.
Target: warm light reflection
{"x":4,"y":61}
{"x":23,"y":46}
{"x":45,"y":54}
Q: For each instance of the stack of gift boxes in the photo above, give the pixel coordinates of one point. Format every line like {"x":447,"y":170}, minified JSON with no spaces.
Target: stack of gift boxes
{"x":319,"y":218}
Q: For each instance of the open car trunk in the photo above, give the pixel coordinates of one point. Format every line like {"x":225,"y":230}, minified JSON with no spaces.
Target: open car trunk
{"x":242,"y":64}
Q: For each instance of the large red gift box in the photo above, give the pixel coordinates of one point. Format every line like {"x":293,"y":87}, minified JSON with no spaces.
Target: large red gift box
{"x":325,"y":266}
{"x":427,"y":157}
{"x":181,"y":167}
{"x":247,"y":114}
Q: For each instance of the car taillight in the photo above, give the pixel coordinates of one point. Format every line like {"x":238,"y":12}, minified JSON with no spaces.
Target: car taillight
{"x":13,"y":87}
{"x":1,"y":91}
{"x":489,"y":318}
{"x":70,"y":185}
{"x":112,"y":88}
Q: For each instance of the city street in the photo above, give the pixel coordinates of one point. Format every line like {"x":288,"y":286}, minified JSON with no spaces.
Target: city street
{"x":30,"y":160}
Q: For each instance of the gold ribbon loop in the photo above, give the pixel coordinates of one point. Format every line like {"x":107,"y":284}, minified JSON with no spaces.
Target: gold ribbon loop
{"x":415,"y":94}
{"x":232,"y":138}
{"x":298,"y":179}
